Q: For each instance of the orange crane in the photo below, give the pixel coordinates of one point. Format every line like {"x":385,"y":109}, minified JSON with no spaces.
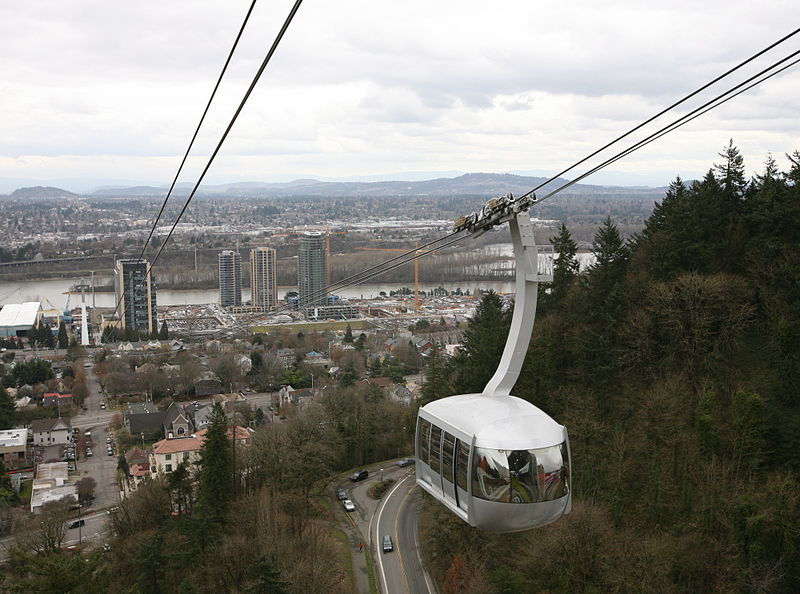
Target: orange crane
{"x":417,"y":303}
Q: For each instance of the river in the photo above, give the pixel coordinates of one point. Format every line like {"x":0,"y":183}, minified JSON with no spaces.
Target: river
{"x":54,"y":292}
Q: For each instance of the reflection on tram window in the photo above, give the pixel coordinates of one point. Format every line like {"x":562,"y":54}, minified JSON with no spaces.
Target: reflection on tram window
{"x":436,"y":446}
{"x":520,"y":476}
{"x":448,"y":443}
{"x":423,"y":434}
{"x":490,"y":479}
{"x":462,"y":462}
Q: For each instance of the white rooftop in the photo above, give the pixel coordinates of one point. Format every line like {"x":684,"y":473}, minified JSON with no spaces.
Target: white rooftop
{"x":13,"y":438}
{"x":20,"y":314}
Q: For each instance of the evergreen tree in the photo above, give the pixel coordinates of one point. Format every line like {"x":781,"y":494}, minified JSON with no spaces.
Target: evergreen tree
{"x":215,"y":467}
{"x":437,"y":379}
{"x":63,"y":339}
{"x":163,"y":333}
{"x":730,"y":174}
{"x":8,"y":412}
{"x":482,"y":345}
{"x":565,"y":270}
{"x":348,"y":334}
{"x":359,"y":343}
{"x":267,"y":579}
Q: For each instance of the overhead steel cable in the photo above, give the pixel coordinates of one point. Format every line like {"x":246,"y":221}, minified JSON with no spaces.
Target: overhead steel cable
{"x":665,"y":110}
{"x":370,"y":273}
{"x":247,"y":94}
{"x":354,"y":279}
{"x":191,"y":142}
{"x":607,"y":145}
{"x":238,"y":111}
{"x":416,"y":254}
{"x":197,"y":130}
{"x":724,"y":97}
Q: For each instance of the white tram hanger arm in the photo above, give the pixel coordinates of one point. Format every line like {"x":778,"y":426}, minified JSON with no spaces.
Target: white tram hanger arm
{"x":526,"y":256}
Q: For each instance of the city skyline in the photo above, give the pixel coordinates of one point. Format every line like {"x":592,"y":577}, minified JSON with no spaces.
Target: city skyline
{"x":383,"y":94}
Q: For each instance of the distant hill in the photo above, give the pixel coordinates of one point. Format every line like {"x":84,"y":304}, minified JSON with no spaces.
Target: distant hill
{"x":41,"y":192}
{"x":480,"y":184}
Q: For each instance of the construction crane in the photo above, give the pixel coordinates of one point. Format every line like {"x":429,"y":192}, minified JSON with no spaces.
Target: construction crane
{"x":417,"y":301}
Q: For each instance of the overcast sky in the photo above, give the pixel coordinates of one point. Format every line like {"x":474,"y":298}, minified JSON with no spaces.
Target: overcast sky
{"x":97,"y":92}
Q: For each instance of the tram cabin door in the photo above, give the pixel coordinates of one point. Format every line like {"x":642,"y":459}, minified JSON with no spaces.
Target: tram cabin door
{"x":448,"y":468}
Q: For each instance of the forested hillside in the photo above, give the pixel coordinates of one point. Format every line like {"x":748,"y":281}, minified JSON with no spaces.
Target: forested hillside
{"x":675,"y":364}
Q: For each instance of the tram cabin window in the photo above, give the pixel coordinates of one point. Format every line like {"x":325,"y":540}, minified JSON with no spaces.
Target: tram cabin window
{"x":424,"y":436}
{"x":520,"y":476}
{"x":436,"y":448}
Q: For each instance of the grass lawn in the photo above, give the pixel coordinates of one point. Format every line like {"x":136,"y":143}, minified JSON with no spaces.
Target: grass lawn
{"x":25,"y":490}
{"x":314,"y":326}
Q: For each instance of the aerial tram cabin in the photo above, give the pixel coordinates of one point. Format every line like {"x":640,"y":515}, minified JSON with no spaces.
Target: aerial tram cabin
{"x":495,"y":460}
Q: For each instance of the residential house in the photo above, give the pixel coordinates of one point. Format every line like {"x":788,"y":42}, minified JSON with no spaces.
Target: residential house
{"x":47,"y":432}
{"x":236,"y":402}
{"x":51,"y":484}
{"x":138,"y":466}
{"x":287,"y":357}
{"x":176,"y":421}
{"x":167,"y":454}
{"x":285,"y":395}
{"x":207,"y":383}
{"x":423,"y":345}
{"x":401,"y":394}
{"x":57,"y":399}
{"x":14,"y":448}
{"x":243,"y":435}
{"x":143,"y":417}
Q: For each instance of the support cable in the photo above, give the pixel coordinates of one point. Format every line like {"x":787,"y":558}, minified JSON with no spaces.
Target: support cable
{"x":247,"y":94}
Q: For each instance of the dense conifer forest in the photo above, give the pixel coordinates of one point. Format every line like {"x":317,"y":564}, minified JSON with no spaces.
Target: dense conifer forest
{"x":674,"y":363}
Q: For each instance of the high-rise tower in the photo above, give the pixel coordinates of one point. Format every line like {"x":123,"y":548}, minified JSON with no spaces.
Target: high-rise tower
{"x":230,"y":278}
{"x":311,"y":268}
{"x":264,"y":277}
{"x":136,"y":294}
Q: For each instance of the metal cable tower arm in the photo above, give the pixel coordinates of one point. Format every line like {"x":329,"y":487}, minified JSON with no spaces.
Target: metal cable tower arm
{"x":526,"y":256}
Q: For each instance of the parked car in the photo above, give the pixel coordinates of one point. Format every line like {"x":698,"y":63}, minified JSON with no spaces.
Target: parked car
{"x":359,"y":476}
{"x":388,"y":546}
{"x":76,"y":523}
{"x":348,"y":505}
{"x":405,"y":462}
{"x":341,"y":494}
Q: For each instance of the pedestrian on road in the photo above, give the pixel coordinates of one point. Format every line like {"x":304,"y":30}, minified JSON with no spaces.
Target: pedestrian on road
{"x":360,"y":547}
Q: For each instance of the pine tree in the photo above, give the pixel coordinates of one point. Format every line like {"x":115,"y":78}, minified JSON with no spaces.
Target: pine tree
{"x":8,"y":411}
{"x":348,"y":334}
{"x":482,"y":345}
{"x":730,"y":174}
{"x":565,"y":270}
{"x":437,"y":379}
{"x":63,"y":339}
{"x":215,"y":467}
{"x":163,"y":333}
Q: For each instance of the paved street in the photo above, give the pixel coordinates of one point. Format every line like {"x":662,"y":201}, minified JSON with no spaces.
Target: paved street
{"x":101,"y":467}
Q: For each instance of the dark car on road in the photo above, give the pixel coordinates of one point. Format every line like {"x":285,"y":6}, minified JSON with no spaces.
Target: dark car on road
{"x":405,"y":462}
{"x":359,"y":476}
{"x":388,"y":547}
{"x":76,"y":523}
